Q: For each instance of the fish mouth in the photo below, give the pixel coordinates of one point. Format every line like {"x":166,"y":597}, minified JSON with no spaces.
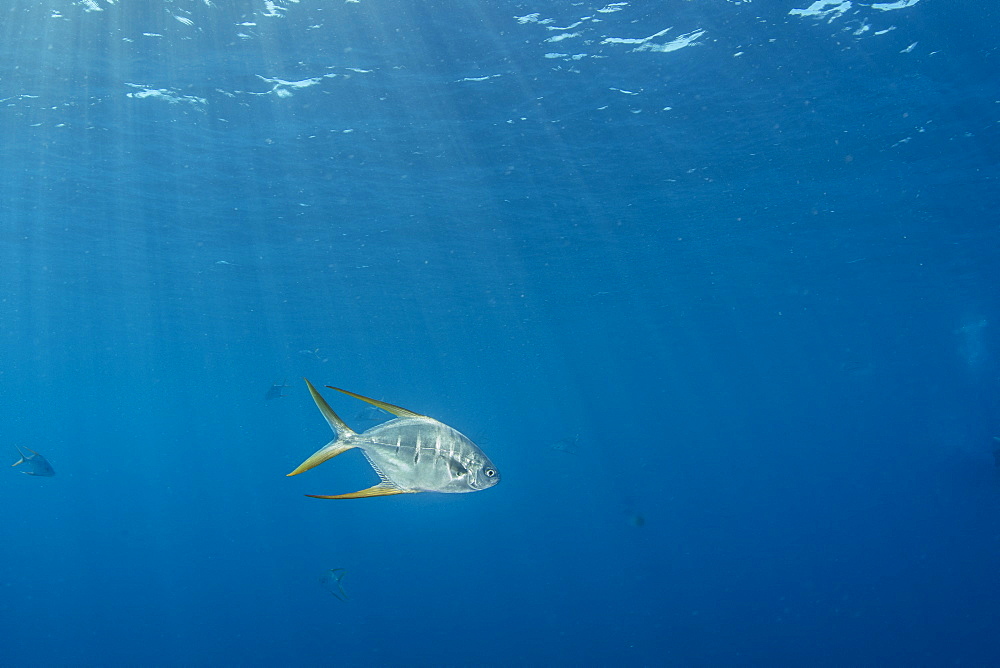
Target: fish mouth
{"x":486,"y":483}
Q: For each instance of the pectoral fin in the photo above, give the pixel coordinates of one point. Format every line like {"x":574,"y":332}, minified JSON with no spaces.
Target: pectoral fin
{"x":328,"y":451}
{"x":381,"y":489}
{"x":388,"y":408}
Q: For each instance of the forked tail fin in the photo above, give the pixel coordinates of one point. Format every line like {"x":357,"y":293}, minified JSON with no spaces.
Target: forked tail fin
{"x":338,"y":445}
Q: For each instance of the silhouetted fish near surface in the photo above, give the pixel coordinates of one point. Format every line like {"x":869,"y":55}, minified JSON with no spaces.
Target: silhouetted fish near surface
{"x":36,"y":463}
{"x":410,"y":453}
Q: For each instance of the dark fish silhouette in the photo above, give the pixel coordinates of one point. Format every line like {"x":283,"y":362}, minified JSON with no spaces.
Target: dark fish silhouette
{"x":332,"y":579}
{"x":275,"y":391}
{"x":36,"y":463}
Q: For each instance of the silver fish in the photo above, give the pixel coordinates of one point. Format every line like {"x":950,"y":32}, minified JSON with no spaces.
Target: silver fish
{"x":38,"y":465}
{"x":410,"y":453}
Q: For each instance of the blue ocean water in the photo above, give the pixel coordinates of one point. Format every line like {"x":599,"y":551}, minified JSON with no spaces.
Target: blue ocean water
{"x":713,"y":283}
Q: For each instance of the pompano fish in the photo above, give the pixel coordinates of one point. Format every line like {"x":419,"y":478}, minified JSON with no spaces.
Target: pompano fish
{"x":38,"y":465}
{"x":410,"y":453}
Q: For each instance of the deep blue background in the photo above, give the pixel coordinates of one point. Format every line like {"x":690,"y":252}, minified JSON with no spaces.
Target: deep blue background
{"x":760,"y":290}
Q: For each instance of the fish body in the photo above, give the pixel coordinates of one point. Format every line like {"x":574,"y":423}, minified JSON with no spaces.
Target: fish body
{"x":410,"y":453}
{"x":426,"y":455}
{"x":36,"y":464}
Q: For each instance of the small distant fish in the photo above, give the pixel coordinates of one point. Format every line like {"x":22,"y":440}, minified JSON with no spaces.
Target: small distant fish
{"x":569,"y":445}
{"x":410,"y":453}
{"x":314,"y":354}
{"x":371,"y":414}
{"x":856,"y":367}
{"x":332,"y":581}
{"x":275,"y":391}
{"x":38,"y":465}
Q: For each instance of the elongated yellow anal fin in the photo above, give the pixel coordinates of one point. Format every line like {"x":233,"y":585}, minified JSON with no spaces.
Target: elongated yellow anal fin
{"x":327,"y":452}
{"x":398,"y":411}
{"x":381,"y":489}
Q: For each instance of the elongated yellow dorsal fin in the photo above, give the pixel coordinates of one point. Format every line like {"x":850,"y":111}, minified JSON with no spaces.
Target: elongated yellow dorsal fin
{"x":339,"y":426}
{"x":388,"y":408}
{"x":381,"y":489}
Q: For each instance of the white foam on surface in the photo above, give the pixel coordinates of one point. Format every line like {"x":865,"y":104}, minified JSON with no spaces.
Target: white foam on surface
{"x":532,"y":18}
{"x":635,"y":40}
{"x":831,"y":9}
{"x":283,"y":88}
{"x":889,"y":6}
{"x":688,"y":39}
{"x":565,"y":35}
{"x":483,"y":78}
{"x":165,"y":94}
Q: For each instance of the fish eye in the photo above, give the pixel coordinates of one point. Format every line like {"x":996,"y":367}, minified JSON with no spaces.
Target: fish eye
{"x":490,"y":473}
